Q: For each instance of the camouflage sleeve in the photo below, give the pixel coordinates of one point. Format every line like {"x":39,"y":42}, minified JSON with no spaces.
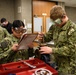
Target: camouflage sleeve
{"x":49,"y":35}
{"x":5,"y":47}
{"x":3,"y":33}
{"x":69,"y":48}
{"x":6,"y":34}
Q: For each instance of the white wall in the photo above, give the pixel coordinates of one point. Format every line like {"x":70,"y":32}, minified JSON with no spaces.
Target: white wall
{"x":71,"y":12}
{"x":27,"y":10}
{"x":7,"y":9}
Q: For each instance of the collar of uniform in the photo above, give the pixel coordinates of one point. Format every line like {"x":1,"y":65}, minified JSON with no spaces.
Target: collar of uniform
{"x":14,"y":38}
{"x":66,"y":26}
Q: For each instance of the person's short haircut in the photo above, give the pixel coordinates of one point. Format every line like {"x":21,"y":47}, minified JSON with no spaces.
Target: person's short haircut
{"x":17,"y":24}
{"x":56,"y":12}
{"x":3,"y":20}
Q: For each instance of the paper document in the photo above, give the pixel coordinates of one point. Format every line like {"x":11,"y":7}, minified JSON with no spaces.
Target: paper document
{"x":25,"y":40}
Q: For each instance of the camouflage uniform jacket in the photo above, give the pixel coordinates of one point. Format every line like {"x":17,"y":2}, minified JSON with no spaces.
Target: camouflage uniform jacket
{"x":8,"y":55}
{"x":65,"y":46}
{"x":3,"y":33}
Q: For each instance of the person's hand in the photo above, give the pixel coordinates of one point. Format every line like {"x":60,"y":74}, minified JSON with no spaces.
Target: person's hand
{"x":15,"y":47}
{"x":45,"y":50}
{"x":40,"y":35}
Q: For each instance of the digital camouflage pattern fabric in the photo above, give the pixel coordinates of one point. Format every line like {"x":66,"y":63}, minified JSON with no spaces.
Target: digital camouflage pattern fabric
{"x":3,"y":33}
{"x":65,"y":47}
{"x":8,"y":55}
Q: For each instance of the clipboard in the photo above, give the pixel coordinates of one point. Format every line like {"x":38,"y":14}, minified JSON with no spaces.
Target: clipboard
{"x":25,"y":40}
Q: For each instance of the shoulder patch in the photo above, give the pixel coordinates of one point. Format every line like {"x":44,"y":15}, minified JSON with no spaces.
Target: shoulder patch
{"x":71,"y":31}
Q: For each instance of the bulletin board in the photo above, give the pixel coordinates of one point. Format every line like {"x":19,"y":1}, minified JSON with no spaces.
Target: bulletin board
{"x":48,"y":23}
{"x":37,"y":24}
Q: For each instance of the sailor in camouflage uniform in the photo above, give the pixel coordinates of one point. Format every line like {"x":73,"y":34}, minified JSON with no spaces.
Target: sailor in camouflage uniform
{"x":63,"y":33}
{"x":9,"y":46}
{"x":3,"y":33}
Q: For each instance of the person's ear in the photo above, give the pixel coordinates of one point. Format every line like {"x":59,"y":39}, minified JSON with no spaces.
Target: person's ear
{"x":64,"y":16}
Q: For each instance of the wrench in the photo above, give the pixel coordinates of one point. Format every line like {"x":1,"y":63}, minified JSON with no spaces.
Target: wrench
{"x":32,"y":66}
